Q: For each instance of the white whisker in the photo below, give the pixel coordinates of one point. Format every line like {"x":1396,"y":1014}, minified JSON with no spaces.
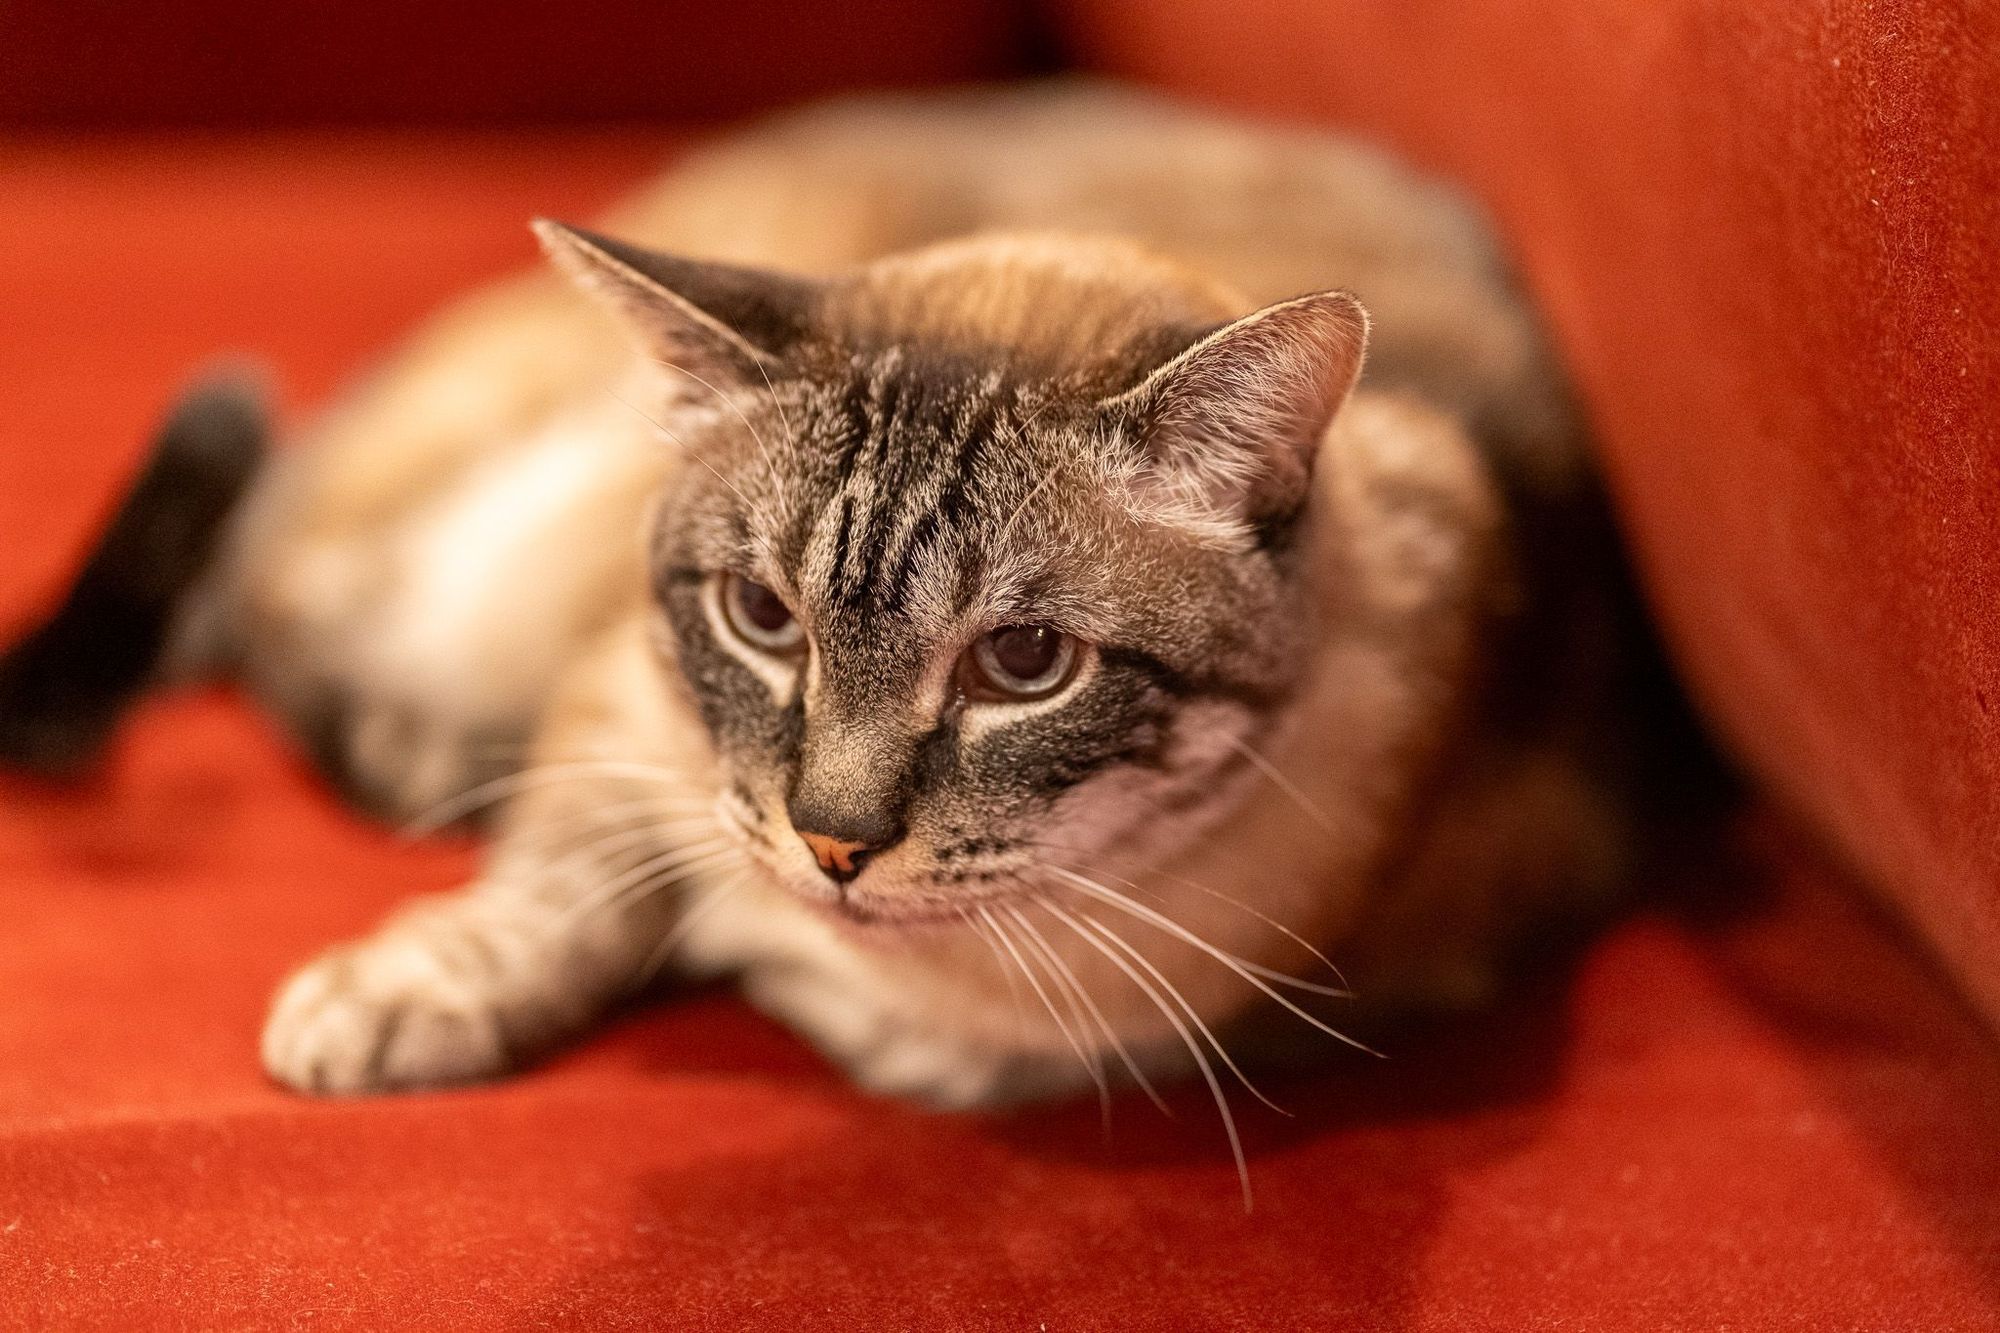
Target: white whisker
{"x":1284,"y":784}
{"x":1340,"y":992}
{"x":589,"y":820}
{"x":1227,"y":959}
{"x":1000,"y":960}
{"x":1064,"y":981}
{"x":1037,"y":939}
{"x":612,"y":842}
{"x":755,"y":510}
{"x":1034,"y":983}
{"x":644,"y":878}
{"x":500,"y":788}
{"x":1047,"y":479}
{"x":778,"y":406}
{"x":1187,"y":1040}
{"x":1194,"y":1017}
{"x":665,"y":948}
{"x":728,"y":401}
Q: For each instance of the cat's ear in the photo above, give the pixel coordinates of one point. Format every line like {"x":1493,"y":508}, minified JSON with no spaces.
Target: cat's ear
{"x":698,"y":315}
{"x":1232,"y":424}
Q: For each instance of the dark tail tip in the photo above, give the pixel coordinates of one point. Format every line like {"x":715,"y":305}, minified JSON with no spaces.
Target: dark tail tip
{"x":64,"y":686}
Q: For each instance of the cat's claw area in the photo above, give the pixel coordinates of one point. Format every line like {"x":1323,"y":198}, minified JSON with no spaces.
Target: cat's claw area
{"x":380,"y":1016}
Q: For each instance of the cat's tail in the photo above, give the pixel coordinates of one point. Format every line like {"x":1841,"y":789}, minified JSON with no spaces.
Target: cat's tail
{"x":66,"y":684}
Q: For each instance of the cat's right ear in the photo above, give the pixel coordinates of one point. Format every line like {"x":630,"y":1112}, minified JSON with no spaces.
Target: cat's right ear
{"x":702,"y":317}
{"x":1232,"y":425}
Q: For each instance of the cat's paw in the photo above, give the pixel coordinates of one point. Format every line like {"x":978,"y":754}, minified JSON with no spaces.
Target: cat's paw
{"x":383,"y":1015}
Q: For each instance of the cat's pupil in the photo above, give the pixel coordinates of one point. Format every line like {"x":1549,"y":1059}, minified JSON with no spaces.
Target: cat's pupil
{"x":761,"y":607}
{"x":1026,"y":652}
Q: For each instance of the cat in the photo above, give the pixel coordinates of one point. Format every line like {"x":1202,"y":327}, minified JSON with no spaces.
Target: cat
{"x":948,"y":571}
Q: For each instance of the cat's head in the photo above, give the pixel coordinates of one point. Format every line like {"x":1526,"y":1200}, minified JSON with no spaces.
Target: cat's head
{"x":983,"y":559}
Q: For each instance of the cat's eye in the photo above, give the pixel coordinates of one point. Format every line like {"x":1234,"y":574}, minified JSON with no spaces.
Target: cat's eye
{"x":760,"y":617}
{"x":1018,"y":662}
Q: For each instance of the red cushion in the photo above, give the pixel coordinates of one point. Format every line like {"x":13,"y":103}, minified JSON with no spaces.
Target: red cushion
{"x":1774,"y":1119}
{"x":1768,"y":237}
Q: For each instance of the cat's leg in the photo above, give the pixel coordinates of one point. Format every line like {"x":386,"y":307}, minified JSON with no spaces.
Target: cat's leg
{"x":461,"y":986}
{"x":598,"y":854}
{"x":571,"y":915}
{"x":454,"y":989}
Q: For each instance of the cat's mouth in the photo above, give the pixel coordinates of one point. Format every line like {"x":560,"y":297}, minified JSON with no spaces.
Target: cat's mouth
{"x":870,"y":902}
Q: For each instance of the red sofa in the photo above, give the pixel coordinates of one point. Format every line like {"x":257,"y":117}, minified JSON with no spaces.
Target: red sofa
{"x":1768,"y":246}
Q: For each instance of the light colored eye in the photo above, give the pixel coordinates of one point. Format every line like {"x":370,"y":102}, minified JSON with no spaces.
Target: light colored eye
{"x":1018,"y":662}
{"x":760,"y":617}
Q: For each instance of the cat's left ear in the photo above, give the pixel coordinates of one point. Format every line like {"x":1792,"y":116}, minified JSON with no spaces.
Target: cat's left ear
{"x":703,"y":317}
{"x":1233,"y":423}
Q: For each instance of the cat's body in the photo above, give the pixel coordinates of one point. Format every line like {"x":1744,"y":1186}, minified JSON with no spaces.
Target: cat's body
{"x":1374,"y":700}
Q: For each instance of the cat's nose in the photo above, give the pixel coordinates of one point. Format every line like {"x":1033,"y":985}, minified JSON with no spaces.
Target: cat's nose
{"x":841,"y":831}
{"x":841,"y":860}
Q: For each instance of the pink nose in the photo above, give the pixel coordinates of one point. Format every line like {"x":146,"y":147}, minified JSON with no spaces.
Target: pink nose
{"x":841,"y":860}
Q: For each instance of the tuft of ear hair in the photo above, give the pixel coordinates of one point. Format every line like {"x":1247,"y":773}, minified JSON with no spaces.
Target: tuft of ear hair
{"x":700,"y":316}
{"x":1231,"y":426}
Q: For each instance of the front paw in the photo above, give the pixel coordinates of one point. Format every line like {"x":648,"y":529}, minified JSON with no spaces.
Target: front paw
{"x":383,"y":1015}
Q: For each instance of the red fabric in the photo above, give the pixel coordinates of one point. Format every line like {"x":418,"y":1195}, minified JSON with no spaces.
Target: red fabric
{"x":1768,"y":237}
{"x":254,"y":63}
{"x":1775,"y":1119}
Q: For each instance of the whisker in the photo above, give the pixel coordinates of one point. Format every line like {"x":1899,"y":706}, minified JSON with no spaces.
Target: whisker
{"x":642,"y":884}
{"x":1034,"y":982}
{"x":1194,"y":1017}
{"x":685,"y":926}
{"x":1048,"y":478}
{"x":1223,"y":956}
{"x":1284,"y":784}
{"x":643,"y":878}
{"x":1269,"y":974}
{"x":611,"y":818}
{"x":1187,"y":1040}
{"x":1055,"y":960}
{"x":610,"y":843}
{"x":728,"y":401}
{"x":500,"y":788}
{"x":1064,"y":981}
{"x":1000,"y":960}
{"x":755,"y":510}
{"x":778,"y":406}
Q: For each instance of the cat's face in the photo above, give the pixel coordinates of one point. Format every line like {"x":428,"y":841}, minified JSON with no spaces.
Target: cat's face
{"x":921,"y":627}
{"x":950,"y":621}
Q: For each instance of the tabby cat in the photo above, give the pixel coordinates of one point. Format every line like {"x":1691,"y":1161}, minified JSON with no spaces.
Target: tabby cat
{"x":954,"y":577}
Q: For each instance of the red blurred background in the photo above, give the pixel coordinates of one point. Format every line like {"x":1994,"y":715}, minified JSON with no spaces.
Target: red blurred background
{"x":239,"y":63}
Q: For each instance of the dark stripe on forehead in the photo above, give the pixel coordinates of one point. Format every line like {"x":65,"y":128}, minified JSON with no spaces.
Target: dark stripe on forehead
{"x":955,"y":477}
{"x":837,"y":568}
{"x":913,"y":425}
{"x":856,"y":421}
{"x":894,"y":594}
{"x":878,"y":478}
{"x":973,"y":434}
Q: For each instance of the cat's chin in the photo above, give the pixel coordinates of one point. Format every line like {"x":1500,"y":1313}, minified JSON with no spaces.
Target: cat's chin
{"x":877,"y":916}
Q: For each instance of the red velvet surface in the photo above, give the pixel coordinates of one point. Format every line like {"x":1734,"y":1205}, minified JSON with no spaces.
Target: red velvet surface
{"x":1768,"y":237}
{"x":1772,"y":1118}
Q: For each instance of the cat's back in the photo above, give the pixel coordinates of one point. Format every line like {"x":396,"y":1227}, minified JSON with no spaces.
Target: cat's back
{"x":1270,"y":211}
